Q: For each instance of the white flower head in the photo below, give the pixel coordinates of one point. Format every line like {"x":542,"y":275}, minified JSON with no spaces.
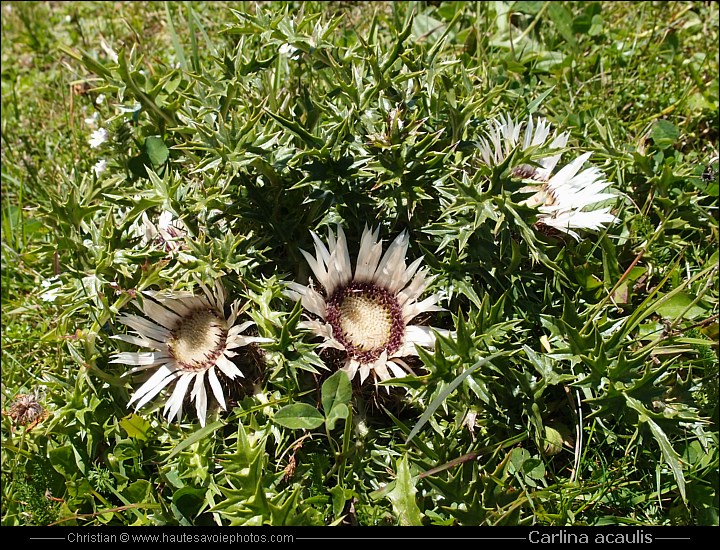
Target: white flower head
{"x":503,"y":136}
{"x":168,"y":233}
{"x":563,"y":199}
{"x":99,"y":167}
{"x":367,"y":313}
{"x":51,"y":288}
{"x":91,"y":121}
{"x":98,"y":137}
{"x":288,"y":50}
{"x":190,"y":337}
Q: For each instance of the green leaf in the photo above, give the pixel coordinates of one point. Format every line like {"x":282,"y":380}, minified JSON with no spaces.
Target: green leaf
{"x":195,"y":437}
{"x":339,"y":411}
{"x":563,"y":21}
{"x":534,"y":468}
{"x":528,"y":7}
{"x":553,"y":441}
{"x":135,"y":426}
{"x":189,"y":500}
{"x":138,"y":491}
{"x":664,"y":134}
{"x":610,"y":262}
{"x":518,"y":456}
{"x":402,"y":496}
{"x":596,"y":27}
{"x":530,"y":468}
{"x":133,"y":497}
{"x":63,"y":460}
{"x":156,"y":150}
{"x":427,"y":26}
{"x":535,"y":103}
{"x":544,"y":365}
{"x":299,"y":416}
{"x":671,"y":457}
{"x":584,"y":22}
{"x":335,"y":390}
{"x":137,"y":165}
{"x":678,"y":305}
{"x":713,"y":189}
{"x":179,"y":51}
{"x":340,"y":496}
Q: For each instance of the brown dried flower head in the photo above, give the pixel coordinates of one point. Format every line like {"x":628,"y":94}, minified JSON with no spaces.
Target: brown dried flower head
{"x":26,"y":409}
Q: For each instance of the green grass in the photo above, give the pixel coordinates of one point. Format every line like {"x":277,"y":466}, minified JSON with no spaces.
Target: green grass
{"x":580,"y":383}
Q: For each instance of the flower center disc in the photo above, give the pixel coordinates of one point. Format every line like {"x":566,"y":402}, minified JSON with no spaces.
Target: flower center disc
{"x":366,"y":320}
{"x":198,"y":340}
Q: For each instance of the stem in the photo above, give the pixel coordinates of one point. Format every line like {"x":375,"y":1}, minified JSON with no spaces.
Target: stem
{"x":535,"y":21}
{"x":334,"y":445}
{"x":345,"y":446}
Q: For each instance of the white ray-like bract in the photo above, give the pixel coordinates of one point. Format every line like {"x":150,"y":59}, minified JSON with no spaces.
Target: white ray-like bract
{"x":562,"y":200}
{"x":504,"y":135}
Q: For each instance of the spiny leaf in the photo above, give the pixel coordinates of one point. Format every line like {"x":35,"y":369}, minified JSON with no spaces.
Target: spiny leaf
{"x":447,"y":391}
{"x":301,"y":132}
{"x":195,"y":437}
{"x":402,"y":495}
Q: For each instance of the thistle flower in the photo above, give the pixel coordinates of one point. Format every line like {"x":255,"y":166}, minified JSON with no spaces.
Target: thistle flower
{"x":168,"y":233}
{"x":561,"y":201}
{"x":26,"y":409}
{"x":367,"y":313}
{"x":191,"y":337}
{"x":503,"y":136}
